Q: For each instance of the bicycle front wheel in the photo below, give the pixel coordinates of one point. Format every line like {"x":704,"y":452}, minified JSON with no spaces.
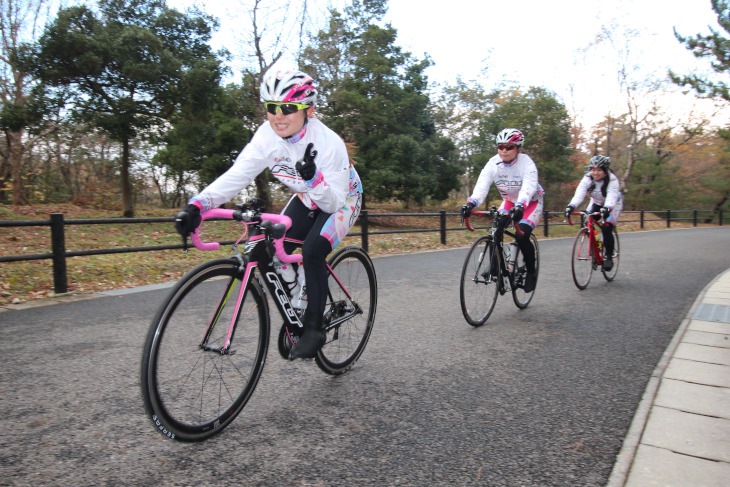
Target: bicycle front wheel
{"x":519,"y":272}
{"x":582,"y":259}
{"x":350,"y":312}
{"x":205,"y":351}
{"x":610,"y":275}
{"x":480,"y":277}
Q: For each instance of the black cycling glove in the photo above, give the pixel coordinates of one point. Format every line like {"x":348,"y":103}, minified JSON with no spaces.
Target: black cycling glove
{"x":517,"y":215}
{"x":188,"y":220}
{"x":466,"y":209}
{"x":306,"y":167}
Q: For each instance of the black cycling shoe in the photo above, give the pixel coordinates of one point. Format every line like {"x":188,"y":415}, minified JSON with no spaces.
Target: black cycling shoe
{"x":312,"y":339}
{"x":608,"y":264}
{"x":530,"y":281}
{"x":309,"y":344}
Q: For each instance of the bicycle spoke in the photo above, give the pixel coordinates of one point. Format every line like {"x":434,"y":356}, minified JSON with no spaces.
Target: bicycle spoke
{"x":610,"y":275}
{"x":480,"y":278}
{"x":519,"y":296}
{"x":195,"y":389}
{"x":582,"y":259}
{"x":350,"y":311}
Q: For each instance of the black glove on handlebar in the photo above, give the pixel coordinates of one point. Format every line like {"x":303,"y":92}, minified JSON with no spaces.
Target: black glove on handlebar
{"x":188,"y":220}
{"x":568,"y":210}
{"x":517,"y":215}
{"x":308,"y":168}
{"x":605,"y":213}
{"x":466,"y":209}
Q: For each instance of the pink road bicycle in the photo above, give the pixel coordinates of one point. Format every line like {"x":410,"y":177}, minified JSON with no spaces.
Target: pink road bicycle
{"x":207,"y":344}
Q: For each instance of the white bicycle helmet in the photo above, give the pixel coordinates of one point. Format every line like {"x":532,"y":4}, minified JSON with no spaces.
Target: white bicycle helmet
{"x":288,"y":86}
{"x":601,"y":162}
{"x":511,"y":136}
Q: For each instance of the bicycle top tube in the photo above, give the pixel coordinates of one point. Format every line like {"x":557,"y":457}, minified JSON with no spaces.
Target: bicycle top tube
{"x":274,"y":218}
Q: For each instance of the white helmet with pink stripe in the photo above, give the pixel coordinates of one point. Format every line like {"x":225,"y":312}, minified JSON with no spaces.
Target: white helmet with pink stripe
{"x":511,"y":136}
{"x":288,"y":86}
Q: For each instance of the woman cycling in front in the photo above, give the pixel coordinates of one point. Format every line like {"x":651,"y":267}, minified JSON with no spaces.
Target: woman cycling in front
{"x":603,"y":186}
{"x":327,"y":194}
{"x":515,"y":175}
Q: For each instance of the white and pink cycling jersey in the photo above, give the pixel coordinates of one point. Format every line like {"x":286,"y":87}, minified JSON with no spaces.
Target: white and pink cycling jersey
{"x":613,"y":200}
{"x":336,"y":179}
{"x":516,"y":181}
{"x":517,"y":184}
{"x":613,"y":194}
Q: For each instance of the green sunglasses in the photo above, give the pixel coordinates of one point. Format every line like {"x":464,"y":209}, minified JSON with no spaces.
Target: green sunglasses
{"x":285,"y":108}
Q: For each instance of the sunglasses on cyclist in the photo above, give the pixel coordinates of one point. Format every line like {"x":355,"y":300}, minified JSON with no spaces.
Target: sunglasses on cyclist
{"x":506,"y":147}
{"x":285,"y":108}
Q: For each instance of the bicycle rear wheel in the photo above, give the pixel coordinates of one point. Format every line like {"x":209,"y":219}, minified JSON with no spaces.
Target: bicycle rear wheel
{"x":480,"y":277}
{"x":350,"y":312}
{"x":194,"y":385}
{"x":610,"y":275}
{"x":519,"y":296}
{"x":582,"y":259}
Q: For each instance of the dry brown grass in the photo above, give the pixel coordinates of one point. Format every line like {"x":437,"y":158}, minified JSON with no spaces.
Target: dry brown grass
{"x":32,"y":280}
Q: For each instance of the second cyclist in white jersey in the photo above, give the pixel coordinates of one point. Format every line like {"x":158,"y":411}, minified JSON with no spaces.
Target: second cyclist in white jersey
{"x":514,"y":174}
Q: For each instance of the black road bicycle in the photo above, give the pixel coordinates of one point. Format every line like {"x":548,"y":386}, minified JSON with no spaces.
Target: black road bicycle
{"x":492,"y":268}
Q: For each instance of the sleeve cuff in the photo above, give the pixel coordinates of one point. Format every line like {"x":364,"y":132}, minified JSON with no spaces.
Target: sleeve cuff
{"x":316,"y":180}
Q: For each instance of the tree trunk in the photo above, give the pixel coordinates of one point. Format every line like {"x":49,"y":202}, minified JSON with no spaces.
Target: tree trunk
{"x":15,"y":159}
{"x":718,"y":206}
{"x":127,"y":201}
{"x":262,"y":189}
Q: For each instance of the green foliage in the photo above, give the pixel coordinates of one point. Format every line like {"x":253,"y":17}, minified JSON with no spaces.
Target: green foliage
{"x":714,"y":47}
{"x":546,"y":125}
{"x":132,"y":67}
{"x":376,"y":97}
{"x":203,"y":142}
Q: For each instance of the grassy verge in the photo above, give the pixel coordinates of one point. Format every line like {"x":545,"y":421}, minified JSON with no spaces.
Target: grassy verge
{"x":31,"y":280}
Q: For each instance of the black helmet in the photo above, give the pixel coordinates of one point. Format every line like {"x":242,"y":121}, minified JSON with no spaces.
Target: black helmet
{"x":601,"y":162}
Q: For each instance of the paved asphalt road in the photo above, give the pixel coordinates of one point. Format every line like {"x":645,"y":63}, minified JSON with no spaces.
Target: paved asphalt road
{"x":539,"y":397}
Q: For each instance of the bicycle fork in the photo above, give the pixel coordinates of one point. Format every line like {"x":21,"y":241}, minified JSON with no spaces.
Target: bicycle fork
{"x":222,"y":302}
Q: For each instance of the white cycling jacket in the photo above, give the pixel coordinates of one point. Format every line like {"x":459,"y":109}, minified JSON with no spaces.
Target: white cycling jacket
{"x":334,"y":181}
{"x":516,"y":182}
{"x":613,"y":195}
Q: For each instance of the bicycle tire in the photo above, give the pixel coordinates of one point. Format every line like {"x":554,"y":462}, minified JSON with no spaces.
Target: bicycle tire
{"x":519,"y":296}
{"x":480,"y":279}
{"x":350,"y":315}
{"x":611,"y":275}
{"x":581,"y":263}
{"x":189,"y":392}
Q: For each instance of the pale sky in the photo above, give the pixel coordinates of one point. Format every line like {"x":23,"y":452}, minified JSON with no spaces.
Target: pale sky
{"x":533,"y":43}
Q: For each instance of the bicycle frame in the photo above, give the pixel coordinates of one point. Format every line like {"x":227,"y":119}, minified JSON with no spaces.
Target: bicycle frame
{"x":588,"y":221}
{"x":258,"y":254}
{"x":196,"y":376}
{"x":497,"y":233}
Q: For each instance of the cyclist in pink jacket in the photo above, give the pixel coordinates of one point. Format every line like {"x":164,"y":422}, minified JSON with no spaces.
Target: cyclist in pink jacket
{"x":515,"y":175}
{"x":327,"y":192}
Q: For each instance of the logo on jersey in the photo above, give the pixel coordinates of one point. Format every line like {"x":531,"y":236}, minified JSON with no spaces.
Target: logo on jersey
{"x":506,"y":183}
{"x":282,"y":169}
